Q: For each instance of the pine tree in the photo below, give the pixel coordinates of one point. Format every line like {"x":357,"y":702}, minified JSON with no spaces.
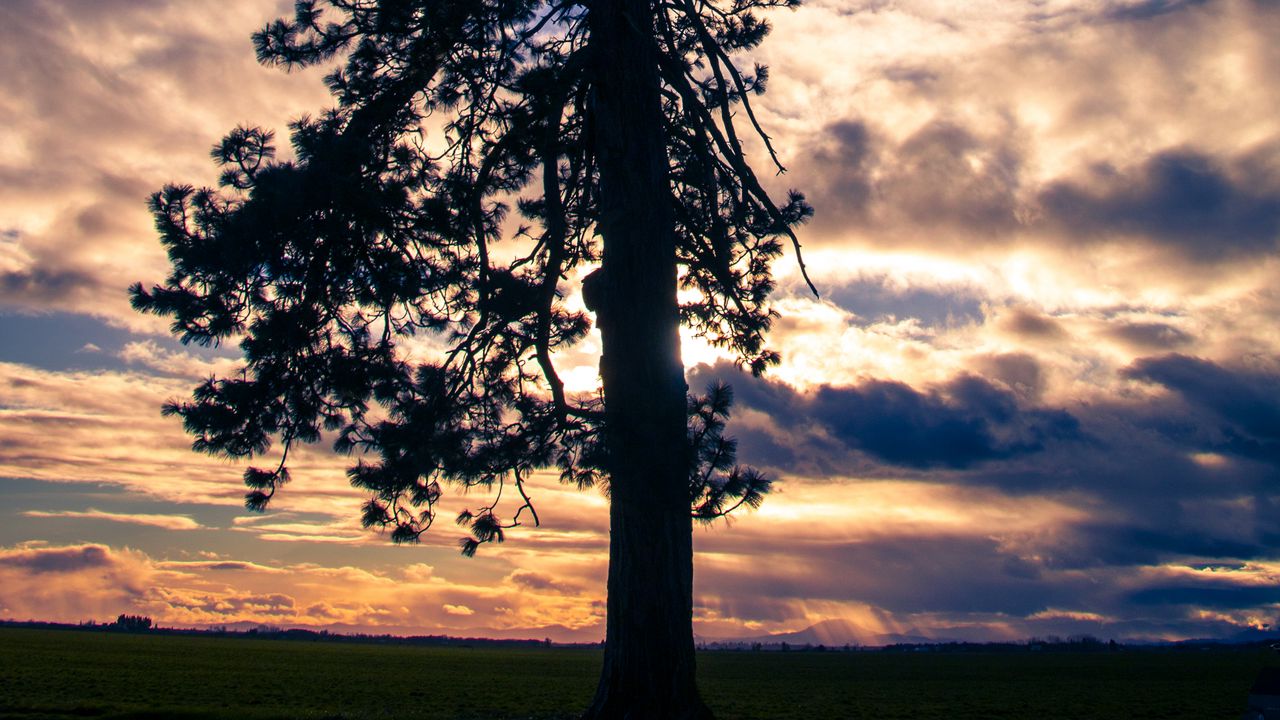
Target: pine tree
{"x":481,"y":153}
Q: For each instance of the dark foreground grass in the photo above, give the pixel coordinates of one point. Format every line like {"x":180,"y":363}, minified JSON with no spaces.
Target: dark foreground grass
{"x":49,"y":674}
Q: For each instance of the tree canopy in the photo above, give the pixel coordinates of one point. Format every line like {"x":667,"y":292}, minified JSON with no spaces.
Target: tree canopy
{"x":405,"y":280}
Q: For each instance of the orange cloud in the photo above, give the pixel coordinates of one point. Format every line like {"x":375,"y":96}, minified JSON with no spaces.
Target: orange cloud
{"x":168,"y":522}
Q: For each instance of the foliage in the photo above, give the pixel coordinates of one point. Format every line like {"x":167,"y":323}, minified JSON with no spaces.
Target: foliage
{"x":403,"y":280}
{"x":132,"y":623}
{"x":717,"y":484}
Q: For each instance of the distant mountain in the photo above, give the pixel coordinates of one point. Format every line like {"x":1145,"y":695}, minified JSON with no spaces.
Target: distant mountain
{"x":833,"y":633}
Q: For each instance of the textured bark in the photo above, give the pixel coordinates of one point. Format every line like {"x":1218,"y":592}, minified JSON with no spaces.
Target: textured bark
{"x":649,"y":651}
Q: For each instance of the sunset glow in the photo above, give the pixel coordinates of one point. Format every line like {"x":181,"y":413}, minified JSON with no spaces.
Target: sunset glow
{"x":1039,"y":393}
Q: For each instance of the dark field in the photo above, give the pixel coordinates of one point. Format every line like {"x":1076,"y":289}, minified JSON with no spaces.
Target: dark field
{"x":66,"y":674}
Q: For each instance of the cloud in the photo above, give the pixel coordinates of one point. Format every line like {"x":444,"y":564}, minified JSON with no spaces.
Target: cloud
{"x":1233,"y":597}
{"x":1204,"y":207}
{"x":1031,"y":324}
{"x":957,"y":425}
{"x":217,"y":565}
{"x":1144,"y":9}
{"x":1137,"y":485}
{"x":104,"y":426}
{"x":45,"y":287}
{"x":959,"y":186}
{"x":881,"y":297}
{"x":92,"y":427}
{"x":341,"y":530}
{"x":1038,"y":395}
{"x":968,"y":422}
{"x":927,"y":575}
{"x":149,"y":354}
{"x":1150,"y":335}
{"x":71,"y":583}
{"x":234,"y":606}
{"x":903,"y":557}
{"x":1018,"y":371}
{"x":97,"y":93}
{"x":540,"y":582}
{"x":91,"y":581}
{"x":942,"y":176}
{"x":57,"y":560}
{"x":1245,"y":403}
{"x":167,"y":522}
{"x":1128,"y":126}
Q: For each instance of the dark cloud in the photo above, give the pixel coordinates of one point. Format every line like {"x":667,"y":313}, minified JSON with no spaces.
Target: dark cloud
{"x":970,"y":575}
{"x":844,"y":159}
{"x":1218,"y":596}
{"x":953,"y":182}
{"x":754,"y":605}
{"x":862,"y":6}
{"x":1019,"y":372}
{"x":947,"y":175}
{"x":958,"y":425}
{"x":1149,"y":9}
{"x":534,"y":580}
{"x":227,"y":565}
{"x":34,"y":286}
{"x":1126,"y":464}
{"x":948,"y":573}
{"x":1244,"y":402}
{"x":1177,"y":542}
{"x":944,"y":175}
{"x":1149,"y":335}
{"x":58,"y":560}
{"x":1030,"y":323}
{"x":921,"y":77}
{"x":1204,"y":207}
{"x":1158,"y":537}
{"x":767,"y":446}
{"x":878,"y":298}
{"x":969,"y":422}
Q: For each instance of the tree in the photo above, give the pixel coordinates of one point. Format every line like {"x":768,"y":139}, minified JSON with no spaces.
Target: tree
{"x":133,"y":623}
{"x":611,"y":127}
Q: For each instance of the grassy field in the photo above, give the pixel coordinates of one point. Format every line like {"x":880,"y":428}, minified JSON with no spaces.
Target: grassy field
{"x":67,"y":674}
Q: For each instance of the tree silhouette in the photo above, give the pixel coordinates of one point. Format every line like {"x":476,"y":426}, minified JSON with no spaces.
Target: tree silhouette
{"x":611,"y":128}
{"x":132,"y":623}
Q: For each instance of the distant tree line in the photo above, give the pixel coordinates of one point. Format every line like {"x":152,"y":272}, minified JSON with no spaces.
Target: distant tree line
{"x":1049,"y":643}
{"x":1074,"y":643}
{"x":138,"y":623}
{"x":133,"y":623}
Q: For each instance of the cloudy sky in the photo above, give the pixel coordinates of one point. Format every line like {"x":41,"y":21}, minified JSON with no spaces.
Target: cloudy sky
{"x":1039,"y":395}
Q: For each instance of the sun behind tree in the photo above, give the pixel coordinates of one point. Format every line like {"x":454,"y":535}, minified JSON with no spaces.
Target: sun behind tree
{"x":611,"y":128}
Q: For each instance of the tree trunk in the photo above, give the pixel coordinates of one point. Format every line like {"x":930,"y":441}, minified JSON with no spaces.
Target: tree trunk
{"x":649,"y":652}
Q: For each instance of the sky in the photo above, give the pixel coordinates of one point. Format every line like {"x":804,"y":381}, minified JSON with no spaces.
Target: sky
{"x":1039,"y":394}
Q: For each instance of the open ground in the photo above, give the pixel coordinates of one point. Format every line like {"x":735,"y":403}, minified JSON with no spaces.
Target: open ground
{"x":47,"y":674}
